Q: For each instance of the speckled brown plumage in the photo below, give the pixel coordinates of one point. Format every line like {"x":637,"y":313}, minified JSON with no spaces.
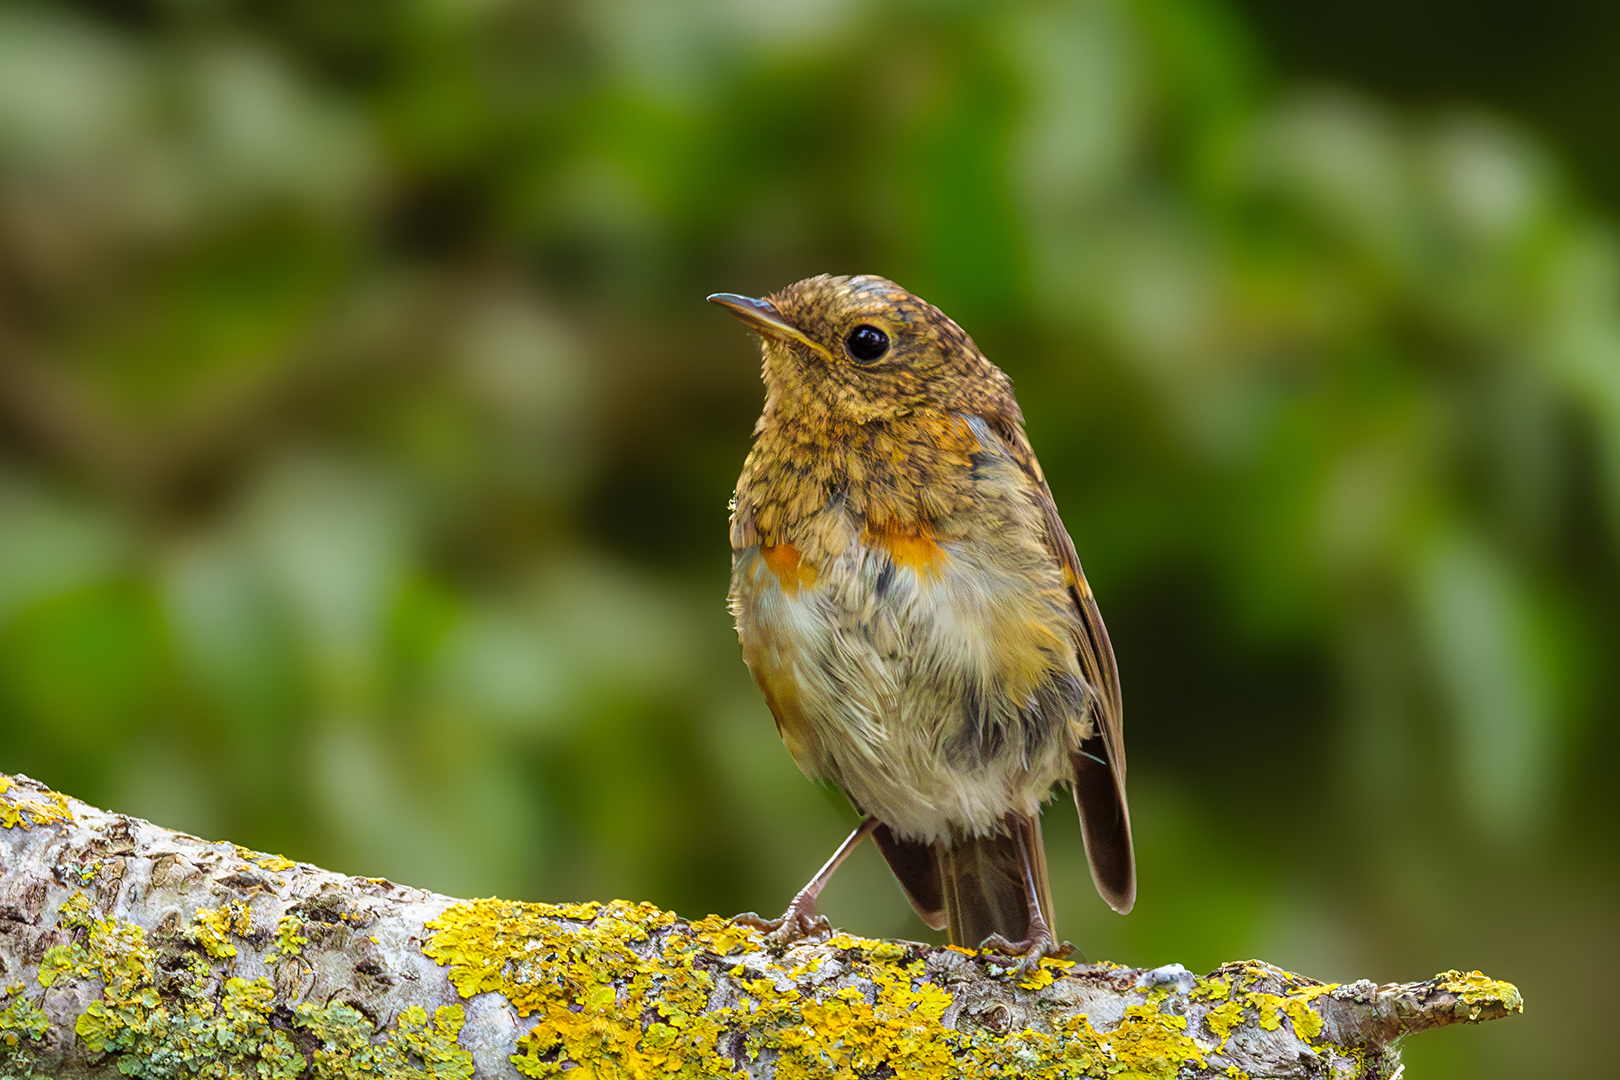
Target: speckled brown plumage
{"x":913,"y":610}
{"x":887,"y":440}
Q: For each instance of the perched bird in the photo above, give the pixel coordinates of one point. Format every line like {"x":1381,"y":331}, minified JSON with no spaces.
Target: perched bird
{"x":912,"y":608}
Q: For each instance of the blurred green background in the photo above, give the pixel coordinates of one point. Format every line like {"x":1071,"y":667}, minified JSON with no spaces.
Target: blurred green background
{"x":365,"y":441}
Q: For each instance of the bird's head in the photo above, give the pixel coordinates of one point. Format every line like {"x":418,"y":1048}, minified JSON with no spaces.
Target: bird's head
{"x":861,"y":349}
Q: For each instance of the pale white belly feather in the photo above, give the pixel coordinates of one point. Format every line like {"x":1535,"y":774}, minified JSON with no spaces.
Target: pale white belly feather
{"x":886,"y":658}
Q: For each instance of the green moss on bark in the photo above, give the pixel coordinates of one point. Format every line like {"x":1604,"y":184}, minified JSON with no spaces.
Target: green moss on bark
{"x":205,"y":1023}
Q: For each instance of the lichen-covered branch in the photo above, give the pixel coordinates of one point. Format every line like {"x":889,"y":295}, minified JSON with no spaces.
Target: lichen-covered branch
{"x":128,"y":949}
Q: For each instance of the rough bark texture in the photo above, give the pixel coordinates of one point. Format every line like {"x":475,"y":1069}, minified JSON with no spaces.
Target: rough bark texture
{"x":129,"y":949}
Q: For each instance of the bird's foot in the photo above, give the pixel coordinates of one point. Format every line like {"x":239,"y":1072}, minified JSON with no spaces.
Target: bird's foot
{"x":798,"y":923}
{"x":1031,"y":951}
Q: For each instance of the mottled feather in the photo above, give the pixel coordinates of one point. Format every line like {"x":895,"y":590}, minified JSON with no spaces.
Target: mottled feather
{"x":913,"y":609}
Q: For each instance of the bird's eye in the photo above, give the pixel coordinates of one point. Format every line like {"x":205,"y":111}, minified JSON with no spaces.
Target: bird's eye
{"x":866,"y":343}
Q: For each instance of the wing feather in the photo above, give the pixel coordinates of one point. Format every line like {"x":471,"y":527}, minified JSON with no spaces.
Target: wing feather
{"x":1099,"y":761}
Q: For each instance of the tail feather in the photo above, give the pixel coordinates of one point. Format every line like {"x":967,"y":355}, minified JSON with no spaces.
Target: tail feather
{"x":983,"y":884}
{"x":1105,"y":823}
{"x":917,"y":869}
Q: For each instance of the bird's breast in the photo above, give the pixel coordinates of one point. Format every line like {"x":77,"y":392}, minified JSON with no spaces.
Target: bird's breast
{"x":929,"y":671}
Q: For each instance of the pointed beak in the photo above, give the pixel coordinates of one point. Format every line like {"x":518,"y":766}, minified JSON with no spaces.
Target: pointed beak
{"x":762,"y":316}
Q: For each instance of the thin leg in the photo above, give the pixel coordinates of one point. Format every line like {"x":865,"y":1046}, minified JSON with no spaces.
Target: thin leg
{"x":800,"y":920}
{"x":1038,"y":941}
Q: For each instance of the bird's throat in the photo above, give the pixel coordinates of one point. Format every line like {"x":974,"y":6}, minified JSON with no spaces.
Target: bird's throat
{"x":899,"y":476}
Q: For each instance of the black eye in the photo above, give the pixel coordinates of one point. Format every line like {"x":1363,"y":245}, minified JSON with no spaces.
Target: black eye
{"x":866,"y":343}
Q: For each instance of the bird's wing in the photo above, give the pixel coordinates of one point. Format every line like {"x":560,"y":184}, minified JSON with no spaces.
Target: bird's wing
{"x":1099,"y":762}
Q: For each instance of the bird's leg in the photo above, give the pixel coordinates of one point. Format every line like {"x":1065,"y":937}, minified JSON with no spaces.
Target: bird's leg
{"x":1038,"y":940}
{"x":800,"y":920}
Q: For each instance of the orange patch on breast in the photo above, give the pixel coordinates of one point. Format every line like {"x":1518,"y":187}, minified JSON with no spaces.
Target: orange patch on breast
{"x":914,"y":550}
{"x":791,"y":571}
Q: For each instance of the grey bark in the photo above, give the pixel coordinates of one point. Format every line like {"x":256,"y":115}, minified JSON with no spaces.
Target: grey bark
{"x":216,"y":920}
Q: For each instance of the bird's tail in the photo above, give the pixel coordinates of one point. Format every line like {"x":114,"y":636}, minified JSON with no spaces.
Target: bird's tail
{"x":982,"y":880}
{"x":973,"y":885}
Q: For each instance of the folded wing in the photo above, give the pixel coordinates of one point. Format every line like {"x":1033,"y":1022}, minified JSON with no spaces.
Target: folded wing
{"x":1099,"y":761}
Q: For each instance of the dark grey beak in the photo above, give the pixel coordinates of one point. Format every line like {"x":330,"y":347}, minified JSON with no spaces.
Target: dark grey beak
{"x":762,"y":316}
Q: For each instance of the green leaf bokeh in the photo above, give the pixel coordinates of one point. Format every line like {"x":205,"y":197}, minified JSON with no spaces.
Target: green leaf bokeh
{"x":365,"y":447}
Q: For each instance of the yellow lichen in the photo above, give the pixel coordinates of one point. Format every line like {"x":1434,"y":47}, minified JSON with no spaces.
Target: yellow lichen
{"x":1477,"y":992}
{"x":347,"y":1050}
{"x":1222,"y":1019}
{"x":211,"y":928}
{"x":289,"y":942}
{"x":726,"y":936}
{"x":1307,"y":1024}
{"x":1044,"y":975}
{"x":273,"y":863}
{"x":1270,"y":1006}
{"x":625,"y":990}
{"x":1152,"y":1043}
{"x":1270,"y":1009}
{"x":15,"y":810}
{"x":205,"y":1024}
{"x":108,"y":949}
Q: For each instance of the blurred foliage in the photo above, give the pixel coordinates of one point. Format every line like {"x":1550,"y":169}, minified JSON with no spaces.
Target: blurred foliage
{"x":1551,"y":66}
{"x":365,"y":446}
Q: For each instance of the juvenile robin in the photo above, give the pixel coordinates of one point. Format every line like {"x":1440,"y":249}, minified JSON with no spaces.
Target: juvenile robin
{"x":912,"y":607}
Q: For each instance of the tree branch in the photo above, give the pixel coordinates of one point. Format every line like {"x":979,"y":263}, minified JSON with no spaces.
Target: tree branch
{"x":128,"y":949}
